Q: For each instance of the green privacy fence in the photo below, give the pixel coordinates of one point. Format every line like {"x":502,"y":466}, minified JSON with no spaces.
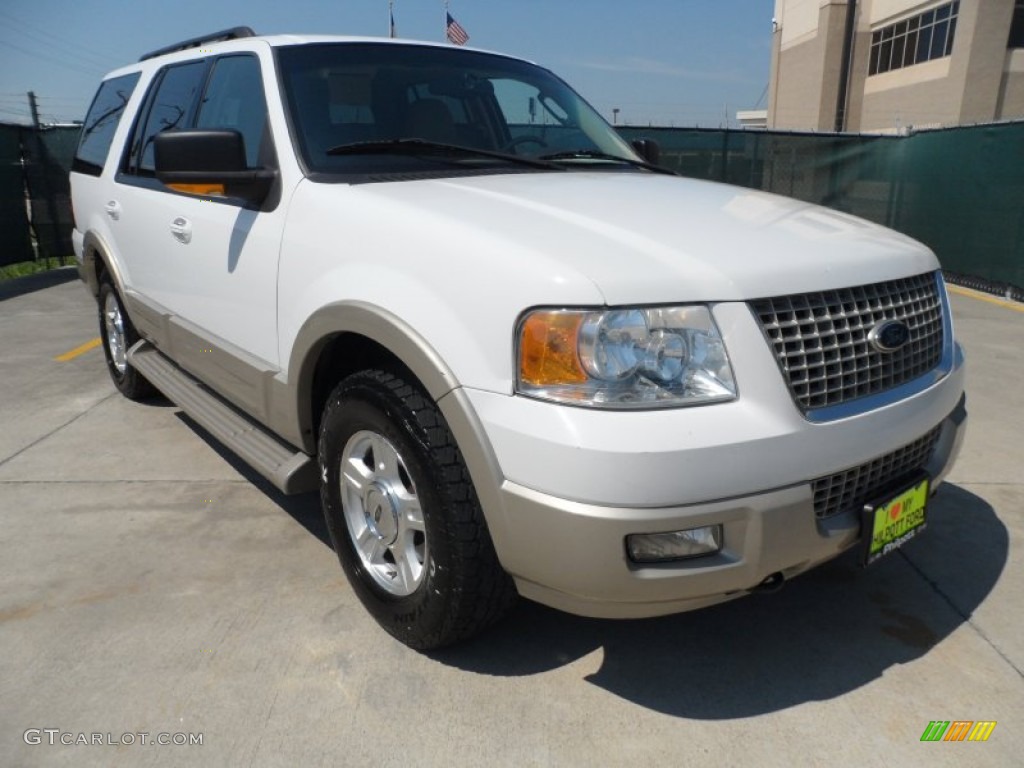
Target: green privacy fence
{"x":34,"y":192}
{"x":13,"y":207}
{"x":960,"y":191}
{"x":48,"y":156}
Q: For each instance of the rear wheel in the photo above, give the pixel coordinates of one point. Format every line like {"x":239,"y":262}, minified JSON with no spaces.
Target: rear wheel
{"x":403,"y":515}
{"x":118,"y":335}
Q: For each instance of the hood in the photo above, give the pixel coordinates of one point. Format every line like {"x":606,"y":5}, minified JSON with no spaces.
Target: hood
{"x":643,"y":238}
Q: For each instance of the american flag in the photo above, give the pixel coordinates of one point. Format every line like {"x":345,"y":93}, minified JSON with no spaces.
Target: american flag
{"x":455,"y":32}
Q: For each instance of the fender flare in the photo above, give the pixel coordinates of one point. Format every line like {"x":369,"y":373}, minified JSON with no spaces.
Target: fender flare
{"x":94,"y":247}
{"x":407,"y":345}
{"x":374,"y":323}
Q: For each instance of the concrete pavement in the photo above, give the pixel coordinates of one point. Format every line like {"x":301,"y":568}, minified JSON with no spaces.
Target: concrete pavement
{"x":153,"y":585}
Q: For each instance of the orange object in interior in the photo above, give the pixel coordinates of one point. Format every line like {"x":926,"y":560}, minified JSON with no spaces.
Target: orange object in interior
{"x":199,"y":189}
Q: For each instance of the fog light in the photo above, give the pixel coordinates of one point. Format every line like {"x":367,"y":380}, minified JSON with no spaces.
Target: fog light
{"x":675,"y":545}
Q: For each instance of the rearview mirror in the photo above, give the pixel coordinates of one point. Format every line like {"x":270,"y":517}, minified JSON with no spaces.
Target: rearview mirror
{"x":210,"y":163}
{"x":648,"y":149}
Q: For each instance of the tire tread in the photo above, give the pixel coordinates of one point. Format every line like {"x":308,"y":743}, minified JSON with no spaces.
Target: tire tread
{"x":482,"y":592}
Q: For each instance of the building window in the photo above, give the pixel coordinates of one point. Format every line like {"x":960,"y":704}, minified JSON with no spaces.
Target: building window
{"x":924,"y":37}
{"x":1017,"y":26}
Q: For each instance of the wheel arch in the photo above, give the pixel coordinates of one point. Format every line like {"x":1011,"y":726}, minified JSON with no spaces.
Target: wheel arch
{"x":345,"y":337}
{"x":95,"y":261}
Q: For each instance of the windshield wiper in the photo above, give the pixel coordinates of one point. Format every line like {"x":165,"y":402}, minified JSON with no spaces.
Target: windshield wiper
{"x":593,"y":154}
{"x":424,"y":147}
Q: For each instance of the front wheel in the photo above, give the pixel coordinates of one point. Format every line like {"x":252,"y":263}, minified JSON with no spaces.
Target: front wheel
{"x":403,"y":516}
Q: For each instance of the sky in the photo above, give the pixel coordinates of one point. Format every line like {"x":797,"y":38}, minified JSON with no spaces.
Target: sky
{"x":659,"y":62}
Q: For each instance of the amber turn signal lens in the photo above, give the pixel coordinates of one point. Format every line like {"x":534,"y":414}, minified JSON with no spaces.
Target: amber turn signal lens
{"x":548,"y":349}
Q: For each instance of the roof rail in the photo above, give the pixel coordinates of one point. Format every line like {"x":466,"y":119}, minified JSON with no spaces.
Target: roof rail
{"x":234,"y":33}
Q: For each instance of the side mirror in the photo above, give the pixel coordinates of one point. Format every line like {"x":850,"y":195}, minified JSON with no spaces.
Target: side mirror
{"x":648,"y":149}
{"x":210,"y":162}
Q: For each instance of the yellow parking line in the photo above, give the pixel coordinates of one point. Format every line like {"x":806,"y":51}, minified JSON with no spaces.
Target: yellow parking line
{"x":80,"y":350}
{"x":1015,"y":306}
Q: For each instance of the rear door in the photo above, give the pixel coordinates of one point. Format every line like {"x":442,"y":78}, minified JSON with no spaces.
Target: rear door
{"x":90,"y":186}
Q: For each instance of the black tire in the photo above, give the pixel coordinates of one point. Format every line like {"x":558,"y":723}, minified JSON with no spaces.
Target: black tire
{"x":128,"y":381}
{"x":461,"y":587}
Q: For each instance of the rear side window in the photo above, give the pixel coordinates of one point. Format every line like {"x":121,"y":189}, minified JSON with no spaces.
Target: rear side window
{"x":101,"y":123}
{"x":234,"y":101}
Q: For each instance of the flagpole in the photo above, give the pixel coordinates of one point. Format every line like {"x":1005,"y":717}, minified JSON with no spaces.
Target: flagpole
{"x":444,"y":37}
{"x":391,"y":18}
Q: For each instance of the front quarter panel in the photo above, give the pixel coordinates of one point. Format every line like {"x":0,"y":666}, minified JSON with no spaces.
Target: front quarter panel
{"x":460,"y":288}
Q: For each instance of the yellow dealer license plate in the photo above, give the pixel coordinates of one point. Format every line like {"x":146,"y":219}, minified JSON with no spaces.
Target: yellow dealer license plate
{"x":889,"y":525}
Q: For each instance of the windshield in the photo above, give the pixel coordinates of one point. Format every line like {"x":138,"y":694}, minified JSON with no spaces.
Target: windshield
{"x":342,"y":95}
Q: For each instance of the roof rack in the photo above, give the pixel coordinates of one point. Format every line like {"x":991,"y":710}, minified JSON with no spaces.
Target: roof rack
{"x":234,"y":33}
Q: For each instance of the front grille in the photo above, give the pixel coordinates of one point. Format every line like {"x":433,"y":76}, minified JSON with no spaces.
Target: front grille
{"x":851,"y":489}
{"x":821,"y":339}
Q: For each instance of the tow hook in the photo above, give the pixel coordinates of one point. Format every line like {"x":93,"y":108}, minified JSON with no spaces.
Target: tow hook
{"x":772,"y":583}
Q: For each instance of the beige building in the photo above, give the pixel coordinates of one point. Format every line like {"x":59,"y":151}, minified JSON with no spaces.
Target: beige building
{"x":893,"y":65}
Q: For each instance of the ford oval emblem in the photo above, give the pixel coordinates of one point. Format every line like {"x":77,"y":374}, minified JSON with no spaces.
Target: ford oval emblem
{"x":889,"y":336}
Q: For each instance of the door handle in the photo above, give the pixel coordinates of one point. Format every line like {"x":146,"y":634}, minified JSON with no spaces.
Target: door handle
{"x":113,"y":209}
{"x":181,"y":228}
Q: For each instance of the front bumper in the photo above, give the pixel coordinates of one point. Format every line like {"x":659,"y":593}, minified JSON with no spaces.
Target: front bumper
{"x":572,"y":556}
{"x":562,"y":490}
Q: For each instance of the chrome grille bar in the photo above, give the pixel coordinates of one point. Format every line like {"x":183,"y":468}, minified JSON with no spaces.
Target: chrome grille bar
{"x":821,"y":341}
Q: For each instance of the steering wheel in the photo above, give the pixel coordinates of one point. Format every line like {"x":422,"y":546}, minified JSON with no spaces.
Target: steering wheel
{"x":510,"y":146}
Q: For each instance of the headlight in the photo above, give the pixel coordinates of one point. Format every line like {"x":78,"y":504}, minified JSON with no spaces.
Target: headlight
{"x":660,"y":357}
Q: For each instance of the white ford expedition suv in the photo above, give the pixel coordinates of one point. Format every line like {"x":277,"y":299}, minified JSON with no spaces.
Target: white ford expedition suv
{"x":515,"y":355}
